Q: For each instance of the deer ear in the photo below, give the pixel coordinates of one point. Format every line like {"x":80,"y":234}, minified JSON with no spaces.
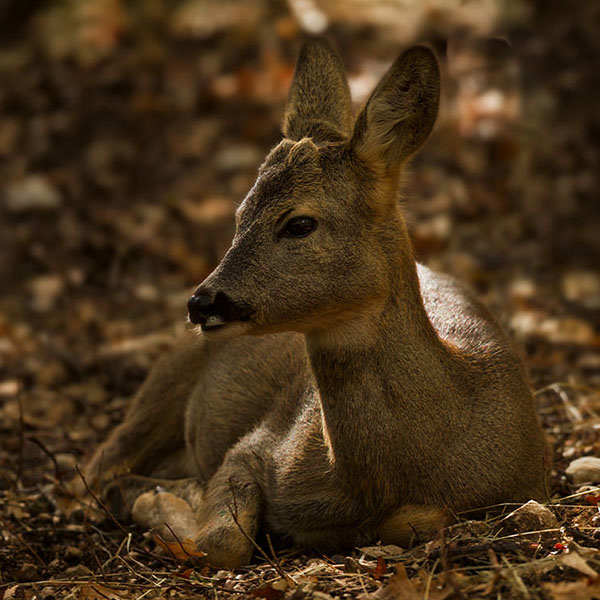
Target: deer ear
{"x":401,"y":112}
{"x":319,"y":104}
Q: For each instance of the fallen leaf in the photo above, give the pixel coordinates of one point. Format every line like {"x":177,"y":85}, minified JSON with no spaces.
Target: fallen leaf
{"x":183,"y":551}
{"x":584,"y":589}
{"x":577,"y":562}
{"x":184,"y":574}
{"x":399,"y":587}
{"x":381,"y":568}
{"x":266,"y":591}
{"x":97,"y":591}
{"x":10,"y":592}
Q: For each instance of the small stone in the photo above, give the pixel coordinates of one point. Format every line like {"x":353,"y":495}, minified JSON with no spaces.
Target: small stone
{"x":34,"y":192}
{"x":531,"y":517}
{"x":585,"y":469}
{"x":223,"y":575}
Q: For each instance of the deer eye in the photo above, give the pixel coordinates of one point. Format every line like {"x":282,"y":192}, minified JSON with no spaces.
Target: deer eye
{"x":299,"y":227}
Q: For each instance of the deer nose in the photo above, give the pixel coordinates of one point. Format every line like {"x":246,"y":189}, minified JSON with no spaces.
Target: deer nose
{"x":200,"y":306}
{"x":211,"y":309}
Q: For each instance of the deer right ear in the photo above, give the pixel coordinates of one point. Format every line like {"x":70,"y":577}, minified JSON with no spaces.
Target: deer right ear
{"x":401,"y":112}
{"x":319,"y":105}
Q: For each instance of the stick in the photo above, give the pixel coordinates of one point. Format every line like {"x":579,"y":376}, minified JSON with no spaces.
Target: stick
{"x":100,"y":503}
{"x":24,"y":542}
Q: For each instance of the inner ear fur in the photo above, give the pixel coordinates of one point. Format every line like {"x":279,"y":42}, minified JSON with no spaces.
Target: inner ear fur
{"x":319,"y":104}
{"x":401,"y":112}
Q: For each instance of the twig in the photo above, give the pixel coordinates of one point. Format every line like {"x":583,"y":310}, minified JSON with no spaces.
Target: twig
{"x":113,"y":556}
{"x":180,"y":542}
{"x":99,"y":502}
{"x":24,"y":542}
{"x":277,"y":567}
{"x":500,"y":545}
{"x":273,"y":553}
{"x":429,"y":580}
{"x":234,"y":516}
{"x":163,"y":544}
{"x":95,"y":555}
{"x":100,"y":593}
{"x":49,"y":454}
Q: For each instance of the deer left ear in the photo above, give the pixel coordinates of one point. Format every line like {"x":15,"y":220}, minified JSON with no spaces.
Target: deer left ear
{"x":401,"y":112}
{"x":319,"y":105}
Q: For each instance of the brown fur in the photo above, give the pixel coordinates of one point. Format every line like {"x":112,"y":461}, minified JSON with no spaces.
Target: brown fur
{"x":370,"y":397}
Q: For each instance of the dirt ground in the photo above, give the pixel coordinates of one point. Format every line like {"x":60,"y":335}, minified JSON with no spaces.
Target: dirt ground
{"x":130,"y":131}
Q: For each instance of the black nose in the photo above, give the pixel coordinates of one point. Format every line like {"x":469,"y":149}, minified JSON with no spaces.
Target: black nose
{"x":200,"y":305}
{"x":205,"y":303}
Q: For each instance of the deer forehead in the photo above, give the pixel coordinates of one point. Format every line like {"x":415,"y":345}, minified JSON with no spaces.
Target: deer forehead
{"x":291,"y":177}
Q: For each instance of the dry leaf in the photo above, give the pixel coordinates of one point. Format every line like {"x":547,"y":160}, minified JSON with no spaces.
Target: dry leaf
{"x":399,"y":587}
{"x":577,"y":562}
{"x":183,"y":551}
{"x":381,"y":568}
{"x":266,"y":591}
{"x":10,"y":592}
{"x":584,"y":589}
{"x":97,"y":591}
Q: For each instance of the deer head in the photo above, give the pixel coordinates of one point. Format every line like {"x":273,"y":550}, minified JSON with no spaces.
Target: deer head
{"x":320,"y":239}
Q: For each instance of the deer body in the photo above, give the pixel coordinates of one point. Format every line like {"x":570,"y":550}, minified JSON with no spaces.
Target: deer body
{"x":379,"y":397}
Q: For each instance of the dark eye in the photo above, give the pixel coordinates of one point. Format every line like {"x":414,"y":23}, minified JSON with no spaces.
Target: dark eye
{"x":299,"y":227}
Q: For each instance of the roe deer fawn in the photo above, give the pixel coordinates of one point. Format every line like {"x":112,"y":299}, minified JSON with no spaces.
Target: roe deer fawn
{"x":369,"y":397}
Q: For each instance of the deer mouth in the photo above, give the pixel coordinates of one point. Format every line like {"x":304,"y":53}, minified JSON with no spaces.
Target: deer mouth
{"x":213,"y":323}
{"x":219,"y":329}
{"x":214,"y":312}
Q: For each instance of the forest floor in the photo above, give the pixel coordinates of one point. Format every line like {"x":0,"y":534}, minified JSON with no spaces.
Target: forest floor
{"x":128,"y":134}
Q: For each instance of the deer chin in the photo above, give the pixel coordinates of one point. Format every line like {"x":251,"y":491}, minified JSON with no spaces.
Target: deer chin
{"x":222,"y":330}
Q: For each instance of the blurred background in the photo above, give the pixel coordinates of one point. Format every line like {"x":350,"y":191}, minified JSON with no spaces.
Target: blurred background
{"x":130,"y":131}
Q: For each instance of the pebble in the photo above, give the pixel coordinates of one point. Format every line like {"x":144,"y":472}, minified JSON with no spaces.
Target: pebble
{"x":531,"y":517}
{"x":584,"y":469}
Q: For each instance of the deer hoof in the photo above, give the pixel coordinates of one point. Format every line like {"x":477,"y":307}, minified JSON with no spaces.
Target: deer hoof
{"x":170,"y":516}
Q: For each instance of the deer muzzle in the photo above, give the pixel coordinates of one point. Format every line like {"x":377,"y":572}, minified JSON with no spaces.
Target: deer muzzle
{"x":212,"y":310}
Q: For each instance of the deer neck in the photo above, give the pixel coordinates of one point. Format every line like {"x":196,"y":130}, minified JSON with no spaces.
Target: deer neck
{"x":381,"y":379}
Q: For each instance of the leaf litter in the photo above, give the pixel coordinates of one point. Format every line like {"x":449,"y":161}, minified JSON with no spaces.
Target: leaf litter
{"x":128,"y":134}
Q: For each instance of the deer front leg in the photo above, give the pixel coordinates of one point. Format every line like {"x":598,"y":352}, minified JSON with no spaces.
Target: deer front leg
{"x":223,"y":521}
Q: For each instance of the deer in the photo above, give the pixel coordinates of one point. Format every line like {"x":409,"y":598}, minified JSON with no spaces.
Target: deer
{"x":333,"y":392}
